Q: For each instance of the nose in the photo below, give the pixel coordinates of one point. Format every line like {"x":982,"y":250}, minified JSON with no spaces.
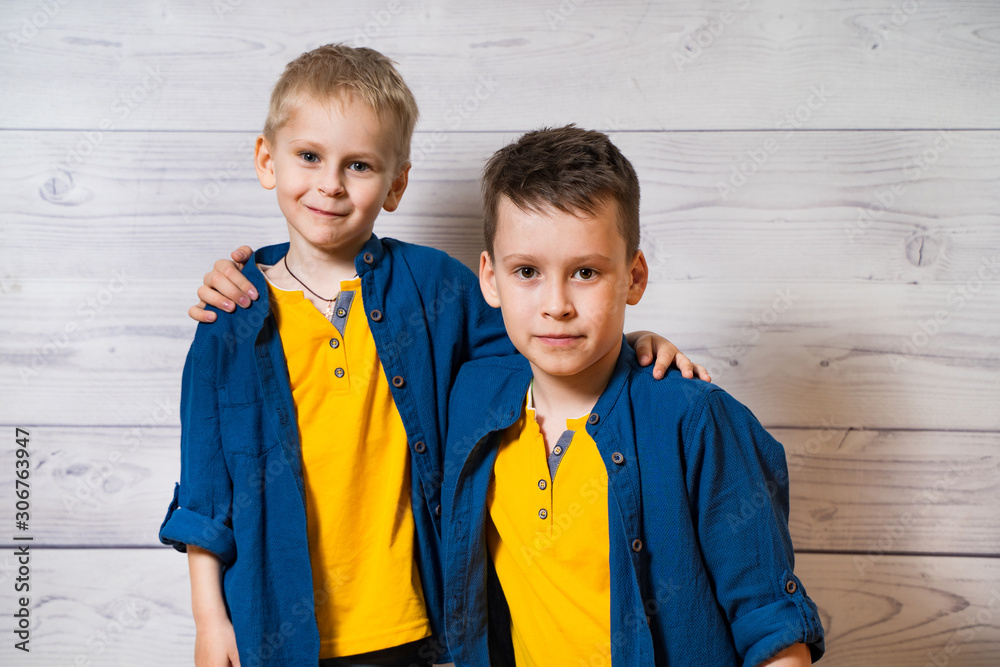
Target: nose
{"x":330,"y":183}
{"x":556,"y":302}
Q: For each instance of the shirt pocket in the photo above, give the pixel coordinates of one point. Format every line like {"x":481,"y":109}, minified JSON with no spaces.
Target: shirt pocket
{"x":244,"y":423}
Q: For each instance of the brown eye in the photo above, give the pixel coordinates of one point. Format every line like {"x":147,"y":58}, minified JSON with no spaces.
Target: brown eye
{"x":526,"y":272}
{"x":586,"y":274}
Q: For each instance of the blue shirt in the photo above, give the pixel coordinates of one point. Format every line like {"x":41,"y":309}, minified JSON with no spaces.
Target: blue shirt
{"x":700,"y":556}
{"x":241,"y":491}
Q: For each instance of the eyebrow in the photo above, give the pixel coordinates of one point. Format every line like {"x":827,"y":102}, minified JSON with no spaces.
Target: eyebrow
{"x":583,"y":259}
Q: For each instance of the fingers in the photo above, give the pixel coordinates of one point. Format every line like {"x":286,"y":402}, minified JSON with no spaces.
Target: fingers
{"x":227,"y":280}
{"x":241,"y":255}
{"x":683,"y":364}
{"x":199,"y":314}
{"x":644,"y":350}
{"x":702,"y":373}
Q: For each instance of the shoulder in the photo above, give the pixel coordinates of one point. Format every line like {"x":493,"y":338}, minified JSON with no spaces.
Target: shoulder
{"x":490,"y":382}
{"x":687,"y":397}
{"x":425,"y":261}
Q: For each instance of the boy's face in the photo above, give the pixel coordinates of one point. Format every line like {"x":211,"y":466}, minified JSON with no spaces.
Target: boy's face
{"x":334,"y":167}
{"x":562,"y":282}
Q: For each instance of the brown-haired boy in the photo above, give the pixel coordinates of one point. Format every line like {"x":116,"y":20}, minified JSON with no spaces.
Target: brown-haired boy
{"x":600,"y":518}
{"x":313,"y":423}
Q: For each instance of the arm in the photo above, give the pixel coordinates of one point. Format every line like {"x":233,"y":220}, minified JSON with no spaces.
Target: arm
{"x":737,"y":483}
{"x":215,"y":640}
{"x":224,"y":286}
{"x":796,"y":655}
{"x":647,"y":345}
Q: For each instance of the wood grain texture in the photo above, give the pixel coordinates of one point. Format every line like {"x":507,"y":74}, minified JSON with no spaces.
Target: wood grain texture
{"x":132,"y":607}
{"x":165,"y":205}
{"x":906,"y":611}
{"x":851,"y":353}
{"x":715,"y":64}
{"x":873,"y":493}
{"x":876,"y":493}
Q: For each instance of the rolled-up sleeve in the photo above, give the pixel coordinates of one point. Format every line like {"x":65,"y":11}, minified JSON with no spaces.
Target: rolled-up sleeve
{"x":738,"y":484}
{"x":201,"y":509}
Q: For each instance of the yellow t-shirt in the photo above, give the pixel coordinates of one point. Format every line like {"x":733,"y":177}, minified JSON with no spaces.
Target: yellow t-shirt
{"x":548,"y":538}
{"x":356,"y":469}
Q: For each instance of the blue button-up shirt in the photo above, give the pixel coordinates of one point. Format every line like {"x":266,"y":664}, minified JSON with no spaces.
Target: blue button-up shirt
{"x":241,"y":491}
{"x":701,"y":559}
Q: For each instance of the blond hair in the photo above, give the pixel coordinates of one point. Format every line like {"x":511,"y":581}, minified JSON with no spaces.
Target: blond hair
{"x":335,"y":69}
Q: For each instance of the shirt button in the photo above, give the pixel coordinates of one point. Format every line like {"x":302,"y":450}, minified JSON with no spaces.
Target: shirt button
{"x":398,"y":381}
{"x":420,"y":447}
{"x":369,"y":258}
{"x":593,"y":419}
{"x":637,"y":545}
{"x":341,"y":312}
{"x":618,"y":458}
{"x":377,"y":315}
{"x":339,"y":372}
{"x":542,"y":513}
{"x":557,"y":451}
{"x":437,"y":511}
{"x":791,"y":587}
{"x":334,"y":343}
{"x":542,"y":484}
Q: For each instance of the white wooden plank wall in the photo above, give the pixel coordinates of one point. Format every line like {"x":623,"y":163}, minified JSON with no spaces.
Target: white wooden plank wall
{"x":821,"y":210}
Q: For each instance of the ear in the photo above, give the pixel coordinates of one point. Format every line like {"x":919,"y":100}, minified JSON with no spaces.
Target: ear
{"x":397,"y":189}
{"x":638,"y":275}
{"x":488,"y":280}
{"x":263,"y":162}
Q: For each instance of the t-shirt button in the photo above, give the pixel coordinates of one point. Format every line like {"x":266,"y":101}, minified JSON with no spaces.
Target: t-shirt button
{"x":557,"y":450}
{"x":542,"y":484}
{"x":341,"y":312}
{"x":542,"y":513}
{"x":334,"y":343}
{"x":339,"y":372}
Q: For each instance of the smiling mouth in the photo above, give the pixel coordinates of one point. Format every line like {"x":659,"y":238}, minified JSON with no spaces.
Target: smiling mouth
{"x":329,"y":214}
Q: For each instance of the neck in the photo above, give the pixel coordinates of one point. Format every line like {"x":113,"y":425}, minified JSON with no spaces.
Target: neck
{"x":321,"y":270}
{"x":561,"y":397}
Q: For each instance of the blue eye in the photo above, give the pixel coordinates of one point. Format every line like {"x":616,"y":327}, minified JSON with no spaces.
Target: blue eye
{"x":585,"y":274}
{"x":311,"y":158}
{"x":360,"y":166}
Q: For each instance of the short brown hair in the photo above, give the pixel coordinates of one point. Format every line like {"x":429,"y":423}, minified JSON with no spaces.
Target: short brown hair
{"x":337,"y":68}
{"x":568,"y":168}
